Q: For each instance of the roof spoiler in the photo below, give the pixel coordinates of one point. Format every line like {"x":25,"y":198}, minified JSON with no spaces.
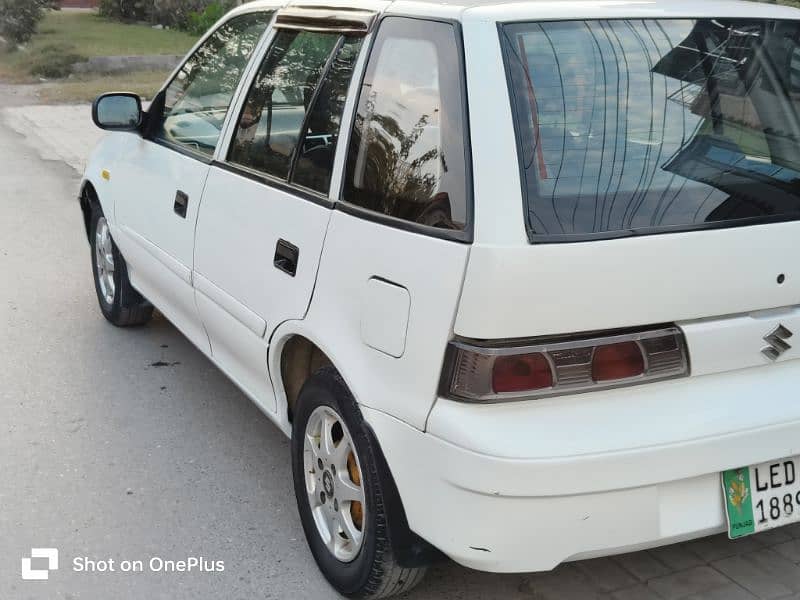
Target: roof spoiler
{"x":352,"y":21}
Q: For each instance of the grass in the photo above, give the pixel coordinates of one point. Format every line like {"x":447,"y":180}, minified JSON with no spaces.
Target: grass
{"x":94,"y":35}
{"x":87,"y":88}
{"x":78,"y":35}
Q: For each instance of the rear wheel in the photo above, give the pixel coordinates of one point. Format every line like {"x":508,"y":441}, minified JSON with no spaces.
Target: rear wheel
{"x":339,"y":494}
{"x":119,"y":302}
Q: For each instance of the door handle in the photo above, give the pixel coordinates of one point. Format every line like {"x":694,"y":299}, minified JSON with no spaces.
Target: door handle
{"x":286,"y":256}
{"x":181,"y":204}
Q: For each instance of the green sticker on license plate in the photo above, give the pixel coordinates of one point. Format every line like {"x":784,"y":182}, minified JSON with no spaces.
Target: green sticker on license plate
{"x":762,"y":496}
{"x":738,"y":502}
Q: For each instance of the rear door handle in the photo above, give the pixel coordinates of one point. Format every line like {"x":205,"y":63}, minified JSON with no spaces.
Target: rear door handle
{"x":181,"y":204}
{"x":286,"y":256}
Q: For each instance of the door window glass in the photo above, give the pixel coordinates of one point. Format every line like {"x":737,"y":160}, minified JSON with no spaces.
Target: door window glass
{"x":197,"y":100}
{"x":407,"y":154}
{"x":272,"y":119}
{"x":315,"y":157}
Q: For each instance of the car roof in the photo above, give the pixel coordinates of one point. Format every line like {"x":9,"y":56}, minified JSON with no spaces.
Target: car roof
{"x":515,"y":10}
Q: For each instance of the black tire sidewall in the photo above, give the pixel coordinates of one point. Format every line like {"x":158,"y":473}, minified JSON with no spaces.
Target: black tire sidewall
{"x":326,"y":389}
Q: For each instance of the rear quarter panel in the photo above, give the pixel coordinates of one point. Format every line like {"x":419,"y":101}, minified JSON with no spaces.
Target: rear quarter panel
{"x":431,"y":270}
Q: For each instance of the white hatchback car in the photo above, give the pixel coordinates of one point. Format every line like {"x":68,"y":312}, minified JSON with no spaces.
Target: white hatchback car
{"x":533,"y":279}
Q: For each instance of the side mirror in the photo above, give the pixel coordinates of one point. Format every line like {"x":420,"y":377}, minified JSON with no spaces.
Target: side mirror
{"x":118,"y":111}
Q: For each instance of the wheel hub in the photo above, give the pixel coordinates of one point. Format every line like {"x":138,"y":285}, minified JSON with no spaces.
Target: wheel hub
{"x":327,"y":483}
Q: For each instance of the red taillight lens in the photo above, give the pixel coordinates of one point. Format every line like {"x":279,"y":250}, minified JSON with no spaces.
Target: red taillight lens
{"x":520,"y":372}
{"x":617,"y":361}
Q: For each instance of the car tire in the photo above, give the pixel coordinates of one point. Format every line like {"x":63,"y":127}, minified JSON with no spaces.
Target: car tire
{"x":119,"y":302}
{"x":357,"y":566}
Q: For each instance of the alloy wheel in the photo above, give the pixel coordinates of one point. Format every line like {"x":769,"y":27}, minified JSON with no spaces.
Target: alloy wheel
{"x":334,"y":484}
{"x":104,"y":260}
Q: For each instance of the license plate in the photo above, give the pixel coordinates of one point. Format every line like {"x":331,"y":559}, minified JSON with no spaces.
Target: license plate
{"x":762,"y":496}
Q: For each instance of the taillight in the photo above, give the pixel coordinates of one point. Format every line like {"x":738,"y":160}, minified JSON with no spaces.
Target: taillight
{"x":516,"y":370}
{"x":617,"y":361}
{"x":515,"y":373}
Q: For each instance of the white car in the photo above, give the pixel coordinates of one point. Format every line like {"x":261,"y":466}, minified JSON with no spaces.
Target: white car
{"x":520,"y":280}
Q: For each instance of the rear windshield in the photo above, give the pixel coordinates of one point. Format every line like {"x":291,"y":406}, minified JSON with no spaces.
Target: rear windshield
{"x":629,"y":127}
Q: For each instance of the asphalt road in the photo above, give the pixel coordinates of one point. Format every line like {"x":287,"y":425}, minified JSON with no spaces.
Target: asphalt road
{"x":103,"y":454}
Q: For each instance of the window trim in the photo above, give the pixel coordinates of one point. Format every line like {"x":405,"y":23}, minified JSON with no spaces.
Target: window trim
{"x":571,"y":238}
{"x":186,"y":150}
{"x":465,"y":235}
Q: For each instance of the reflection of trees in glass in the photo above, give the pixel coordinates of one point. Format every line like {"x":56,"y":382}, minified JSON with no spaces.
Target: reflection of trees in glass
{"x":210,"y":76}
{"x":205,"y":84}
{"x":314,"y":165}
{"x":269,"y":129}
{"x":294,"y":67}
{"x":388,"y":172}
{"x":408,"y":120}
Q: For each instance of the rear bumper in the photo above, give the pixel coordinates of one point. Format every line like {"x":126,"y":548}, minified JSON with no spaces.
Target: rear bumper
{"x":527,"y":486}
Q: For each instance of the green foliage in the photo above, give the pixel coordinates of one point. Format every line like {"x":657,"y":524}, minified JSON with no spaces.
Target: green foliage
{"x":19,"y":18}
{"x":195,"y":16}
{"x":126,"y":10}
{"x":175,"y":13}
{"x":201,"y":21}
{"x":53,"y":61}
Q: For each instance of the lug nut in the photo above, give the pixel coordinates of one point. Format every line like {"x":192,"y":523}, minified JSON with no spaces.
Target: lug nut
{"x":319,"y":463}
{"x":335,"y":504}
{"x":322,"y":497}
{"x":333,"y":469}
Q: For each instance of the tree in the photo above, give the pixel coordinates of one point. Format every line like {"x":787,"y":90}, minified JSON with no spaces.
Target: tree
{"x":19,"y":18}
{"x":126,"y":10}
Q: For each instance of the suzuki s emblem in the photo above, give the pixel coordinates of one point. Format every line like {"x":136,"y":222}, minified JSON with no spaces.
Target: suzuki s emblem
{"x":777,"y":342}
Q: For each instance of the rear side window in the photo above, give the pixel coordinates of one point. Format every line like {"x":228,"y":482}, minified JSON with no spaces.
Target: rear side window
{"x":643,"y":126}
{"x":197,"y":99}
{"x":406,"y":157}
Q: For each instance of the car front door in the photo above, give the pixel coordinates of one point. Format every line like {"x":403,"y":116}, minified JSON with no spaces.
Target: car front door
{"x":160,"y":176}
{"x":266,"y":204}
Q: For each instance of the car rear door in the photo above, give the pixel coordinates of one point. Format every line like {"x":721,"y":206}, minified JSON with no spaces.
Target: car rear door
{"x":399,"y":239}
{"x":266,"y":204}
{"x":160,"y":177}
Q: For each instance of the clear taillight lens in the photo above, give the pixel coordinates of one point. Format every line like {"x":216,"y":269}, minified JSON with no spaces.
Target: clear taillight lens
{"x":518,"y":370}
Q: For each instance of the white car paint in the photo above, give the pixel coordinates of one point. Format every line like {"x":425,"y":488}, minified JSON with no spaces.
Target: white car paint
{"x":501,"y":487}
{"x":384,"y":317}
{"x":145,"y":227}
